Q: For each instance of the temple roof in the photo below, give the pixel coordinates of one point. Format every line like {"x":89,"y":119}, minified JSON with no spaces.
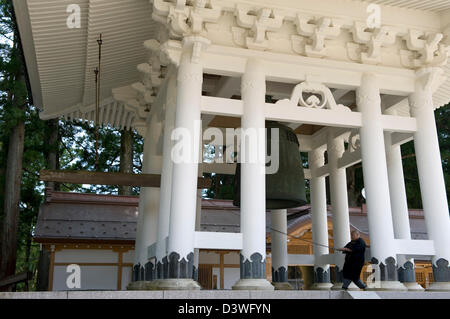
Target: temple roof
{"x":60,"y":61}
{"x":76,"y":217}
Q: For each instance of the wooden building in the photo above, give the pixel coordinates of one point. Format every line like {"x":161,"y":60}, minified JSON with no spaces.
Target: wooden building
{"x":353,"y":80}
{"x":97,"y":232}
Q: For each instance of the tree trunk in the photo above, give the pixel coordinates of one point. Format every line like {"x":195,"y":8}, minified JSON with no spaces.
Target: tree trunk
{"x":12,"y":198}
{"x":52,"y":153}
{"x":126,"y":159}
{"x":352,"y":192}
{"x":27,"y":256}
{"x":13,"y":173}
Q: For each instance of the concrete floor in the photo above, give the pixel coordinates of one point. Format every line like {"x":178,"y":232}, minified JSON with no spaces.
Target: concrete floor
{"x":225,"y":294}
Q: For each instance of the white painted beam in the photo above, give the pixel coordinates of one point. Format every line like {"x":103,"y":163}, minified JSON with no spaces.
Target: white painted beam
{"x":221,"y":106}
{"x":339,"y":94}
{"x":219,"y":168}
{"x":415,"y":247}
{"x":400,"y":124}
{"x":305,"y":142}
{"x":327,"y":259}
{"x":227,"y":87}
{"x":218,"y":240}
{"x":322,"y":171}
{"x":300,"y":259}
{"x":286,"y":68}
{"x":349,"y":159}
{"x":313,"y":116}
{"x":401,"y":138}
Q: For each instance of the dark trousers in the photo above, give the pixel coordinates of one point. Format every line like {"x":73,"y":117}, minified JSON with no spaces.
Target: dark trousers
{"x":347,"y":283}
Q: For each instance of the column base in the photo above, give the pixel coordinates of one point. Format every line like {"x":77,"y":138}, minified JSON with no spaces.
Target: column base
{"x":338,"y":286}
{"x":139,"y":285}
{"x":174,"y":284}
{"x":413,"y":286}
{"x":282,"y":286}
{"x":253,"y":284}
{"x":386,"y":285}
{"x":439,"y":286}
{"x":322,"y":286}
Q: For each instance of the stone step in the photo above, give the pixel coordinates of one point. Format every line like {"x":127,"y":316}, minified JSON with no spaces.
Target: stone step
{"x":363,"y":294}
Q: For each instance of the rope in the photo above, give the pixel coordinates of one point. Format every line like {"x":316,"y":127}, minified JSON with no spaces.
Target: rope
{"x":295,"y":237}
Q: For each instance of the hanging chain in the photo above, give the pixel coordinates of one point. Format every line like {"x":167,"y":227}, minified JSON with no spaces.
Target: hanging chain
{"x":97,"y":72}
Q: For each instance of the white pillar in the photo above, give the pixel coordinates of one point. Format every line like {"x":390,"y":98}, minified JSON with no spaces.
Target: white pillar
{"x":381,"y":231}
{"x":162,"y":266}
{"x":148,"y":204}
{"x":279,"y":249}
{"x":185,"y":168}
{"x":339,"y":202}
{"x":319,"y":220}
{"x":253,"y":180}
{"x":198,"y":213}
{"x":432,"y":184}
{"x":400,"y":213}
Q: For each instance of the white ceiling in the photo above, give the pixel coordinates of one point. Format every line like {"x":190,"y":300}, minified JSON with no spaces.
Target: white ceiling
{"x":61,"y":61}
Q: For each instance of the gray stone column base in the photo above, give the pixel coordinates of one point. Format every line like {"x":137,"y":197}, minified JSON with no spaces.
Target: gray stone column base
{"x":386,"y":286}
{"x":174,"y":284}
{"x":413,"y":286}
{"x":322,"y":286}
{"x":439,"y":286}
{"x":139,"y":285}
{"x":253,"y":284}
{"x":338,"y":286}
{"x":282,"y":286}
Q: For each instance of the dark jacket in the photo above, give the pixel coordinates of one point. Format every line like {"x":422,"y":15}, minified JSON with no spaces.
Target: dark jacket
{"x":354,"y":260}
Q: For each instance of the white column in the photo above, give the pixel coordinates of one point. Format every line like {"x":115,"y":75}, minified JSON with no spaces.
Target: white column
{"x":381,"y":230}
{"x":432,"y":184}
{"x":253,"y":180}
{"x":400,"y":213}
{"x":148,"y":204}
{"x":319,"y":220}
{"x":185,"y":167}
{"x":162,"y":266}
{"x":279,"y":249}
{"x":198,"y":214}
{"x":339,"y":202}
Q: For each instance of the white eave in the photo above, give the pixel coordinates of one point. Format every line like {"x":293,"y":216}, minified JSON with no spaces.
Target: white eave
{"x":61,"y":61}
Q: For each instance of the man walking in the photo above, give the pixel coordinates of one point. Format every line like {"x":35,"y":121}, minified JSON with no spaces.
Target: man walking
{"x":354,"y":260}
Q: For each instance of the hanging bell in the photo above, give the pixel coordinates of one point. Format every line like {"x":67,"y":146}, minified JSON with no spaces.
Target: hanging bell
{"x":286,"y":187}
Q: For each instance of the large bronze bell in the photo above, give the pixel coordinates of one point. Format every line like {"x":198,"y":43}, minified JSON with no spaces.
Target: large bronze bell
{"x":285,"y":188}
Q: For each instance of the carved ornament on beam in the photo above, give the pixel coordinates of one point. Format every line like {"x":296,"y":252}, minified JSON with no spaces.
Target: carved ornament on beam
{"x":317,"y":31}
{"x":372,"y":40}
{"x":326,"y":100}
{"x":424,"y":49}
{"x":186,"y":17}
{"x":258,"y":22}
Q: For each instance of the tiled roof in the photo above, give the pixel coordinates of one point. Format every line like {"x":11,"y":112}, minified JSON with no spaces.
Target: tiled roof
{"x":89,"y":217}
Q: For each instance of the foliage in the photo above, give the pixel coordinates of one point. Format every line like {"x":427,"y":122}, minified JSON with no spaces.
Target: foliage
{"x":409,"y":161}
{"x":78,"y":152}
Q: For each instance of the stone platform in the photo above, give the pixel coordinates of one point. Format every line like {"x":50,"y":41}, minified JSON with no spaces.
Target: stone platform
{"x":225,"y":294}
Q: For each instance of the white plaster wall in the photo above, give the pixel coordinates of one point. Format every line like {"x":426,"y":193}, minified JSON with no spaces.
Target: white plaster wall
{"x":92,"y":278}
{"x":128,"y":257}
{"x":86,"y":256}
{"x":231,"y":276}
{"x":126,"y":277}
